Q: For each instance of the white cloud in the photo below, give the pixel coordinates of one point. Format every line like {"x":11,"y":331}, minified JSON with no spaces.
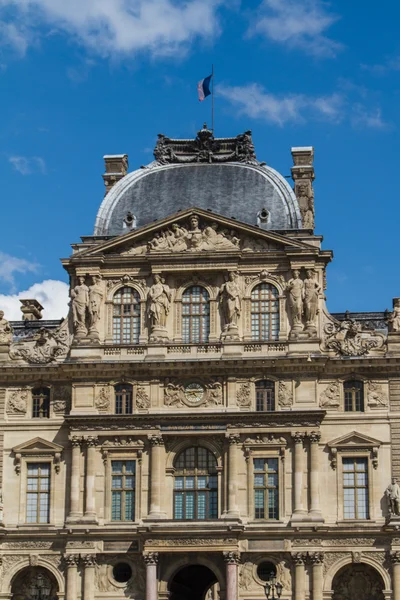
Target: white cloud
{"x":370,"y":119}
{"x":297,"y":24}
{"x":253,"y":101}
{"x":52,"y":295}
{"x":9,"y":265}
{"x":113,"y":27}
{"x":27,"y":165}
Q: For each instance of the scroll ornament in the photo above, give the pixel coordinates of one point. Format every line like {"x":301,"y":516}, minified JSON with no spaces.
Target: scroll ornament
{"x":347,"y":338}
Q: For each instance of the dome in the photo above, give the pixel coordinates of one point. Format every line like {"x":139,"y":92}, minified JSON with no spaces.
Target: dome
{"x":222,"y":176}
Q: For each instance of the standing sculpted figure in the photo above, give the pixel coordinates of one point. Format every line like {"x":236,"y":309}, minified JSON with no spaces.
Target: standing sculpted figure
{"x":80,"y":302}
{"x":159,"y":299}
{"x":95,"y":300}
{"x":394,"y":319}
{"x":392,"y":493}
{"x":295,"y":292}
{"x":311,"y":294}
{"x":5,"y":330}
{"x":230,"y":300}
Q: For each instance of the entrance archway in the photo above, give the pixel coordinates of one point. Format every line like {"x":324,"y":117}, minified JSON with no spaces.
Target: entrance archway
{"x":192,"y":582}
{"x":29,"y":580}
{"x":357,"y":582}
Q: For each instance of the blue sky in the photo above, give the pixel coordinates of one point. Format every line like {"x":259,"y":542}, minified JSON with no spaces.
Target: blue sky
{"x":81,"y":79}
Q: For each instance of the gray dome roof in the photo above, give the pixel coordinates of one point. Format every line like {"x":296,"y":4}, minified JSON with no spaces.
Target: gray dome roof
{"x":247,"y":191}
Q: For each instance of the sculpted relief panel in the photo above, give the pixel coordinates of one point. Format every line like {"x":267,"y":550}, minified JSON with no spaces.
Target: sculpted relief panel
{"x":193,"y":394}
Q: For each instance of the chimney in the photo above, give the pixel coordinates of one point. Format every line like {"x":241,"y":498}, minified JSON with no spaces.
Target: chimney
{"x":303,"y":177}
{"x":31,"y":310}
{"x":116,"y":166}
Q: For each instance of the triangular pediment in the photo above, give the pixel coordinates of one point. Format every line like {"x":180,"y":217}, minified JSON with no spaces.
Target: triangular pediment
{"x":37,"y":444}
{"x":195,"y":231}
{"x":354,"y":440}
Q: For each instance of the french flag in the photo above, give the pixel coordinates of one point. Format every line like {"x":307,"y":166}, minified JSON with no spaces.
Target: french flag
{"x":203,"y":88}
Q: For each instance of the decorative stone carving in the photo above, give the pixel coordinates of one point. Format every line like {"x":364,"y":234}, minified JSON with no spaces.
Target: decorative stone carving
{"x":295,"y":293}
{"x":312,"y":290}
{"x":392,"y":494}
{"x":232,"y":558}
{"x":230,"y":302}
{"x":305,"y":194}
{"x":264,"y":275}
{"x":316,"y":558}
{"x":265,"y":439}
{"x":174,"y":394}
{"x":243,"y":395}
{"x":299,"y":558}
{"x":394,"y":318}
{"x":61,"y":399}
{"x":285,"y":394}
{"x":348,"y":339}
{"x":17,"y":402}
{"x":375,"y":395}
{"x":44,"y":348}
{"x":213,"y":395}
{"x":103,"y":399}
{"x":158,"y":304}
{"x":89,"y":560}
{"x":142,"y":398}
{"x":94,"y":306}
{"x":330,"y":397}
{"x":246,"y":578}
{"x":202,"y":394}
{"x":79,"y":304}
{"x":358,"y":583}
{"x":150,"y":558}
{"x":331,"y":558}
{"x":6,"y":331}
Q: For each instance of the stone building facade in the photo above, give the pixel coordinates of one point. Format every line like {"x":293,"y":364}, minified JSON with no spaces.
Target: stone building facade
{"x":200,"y":420}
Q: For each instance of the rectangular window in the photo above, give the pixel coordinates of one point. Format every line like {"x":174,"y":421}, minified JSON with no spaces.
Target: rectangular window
{"x":266,"y":493}
{"x":38,"y":493}
{"x":40,"y":403}
{"x":123,"y":486}
{"x":355,"y":488}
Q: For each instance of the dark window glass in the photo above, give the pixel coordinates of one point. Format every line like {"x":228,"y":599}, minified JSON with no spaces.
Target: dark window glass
{"x":355,"y":488}
{"x":195,"y":315}
{"x":123,"y":399}
{"x":122,"y":572}
{"x":353,"y":396}
{"x":264,"y":312}
{"x":196,"y":485}
{"x":266,"y":496}
{"x":126,"y":316}
{"x":265,"y":396}
{"x":123,"y":487}
{"x":41,"y":402}
{"x":266,"y":570}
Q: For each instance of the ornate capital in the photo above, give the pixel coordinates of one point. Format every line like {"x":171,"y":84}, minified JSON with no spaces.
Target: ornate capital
{"x":314,"y":437}
{"x":150,"y":558}
{"x":71,"y":560}
{"x":298,"y":437}
{"x":89,"y":560}
{"x":232,"y":558}
{"x":156,"y":440}
{"x":91,"y":441}
{"x":395,"y":558}
{"x":76,"y":441}
{"x":299,"y":558}
{"x":316,"y":558}
{"x":234,"y":438}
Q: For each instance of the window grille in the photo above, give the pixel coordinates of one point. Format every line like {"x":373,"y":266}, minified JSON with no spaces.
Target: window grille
{"x":38,"y":493}
{"x":123,"y":399}
{"x":196,"y":486}
{"x":353,"y":396}
{"x":123,"y":486}
{"x":265,"y":312}
{"x":266,"y":494}
{"x":355,"y":488}
{"x":195,"y":315}
{"x":126,"y":316}
{"x":265,"y":396}
{"x":41,"y":403}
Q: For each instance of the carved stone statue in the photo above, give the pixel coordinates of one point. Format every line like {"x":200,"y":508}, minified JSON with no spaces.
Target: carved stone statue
{"x":392,"y":494}
{"x":158,"y":300}
{"x":95,"y":300}
{"x":394,"y":319}
{"x":6,"y":331}
{"x":230,"y":301}
{"x":295,"y":293}
{"x":80,"y":303}
{"x":312,"y":290}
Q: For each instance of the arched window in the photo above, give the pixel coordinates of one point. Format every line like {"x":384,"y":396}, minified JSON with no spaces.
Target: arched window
{"x":264,"y":312}
{"x":123,"y":399}
{"x":265,"y":396}
{"x":353,"y":396}
{"x":126,"y":316}
{"x":195,"y":315}
{"x":41,"y":402}
{"x":196,"y":487}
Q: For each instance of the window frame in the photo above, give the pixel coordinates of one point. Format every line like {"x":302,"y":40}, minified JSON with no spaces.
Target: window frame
{"x":266,"y":488}
{"x":273,"y":336}
{"x":356,"y":487}
{"x":372,"y":510}
{"x":35,"y":396}
{"x":272,"y":387}
{"x":112,"y":452}
{"x":123,"y":490}
{"x":124,"y":399}
{"x":361,"y":388}
{"x":135,"y":338}
{"x":38,"y":492}
{"x":190,"y":338}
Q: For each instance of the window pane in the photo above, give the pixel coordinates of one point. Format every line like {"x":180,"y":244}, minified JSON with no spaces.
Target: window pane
{"x":126,"y":319}
{"x":264,"y":312}
{"x":195,"y":315}
{"x":123,"y":490}
{"x":195,"y":475}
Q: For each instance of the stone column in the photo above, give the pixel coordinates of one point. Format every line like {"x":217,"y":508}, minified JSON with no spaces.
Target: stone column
{"x":151,"y":560}
{"x":317,"y":561}
{"x":157,"y":479}
{"x":75,"y":512}
{"x":89,"y":562}
{"x":71,"y":561}
{"x":298,"y":468}
{"x":90,"y":504}
{"x":395,"y":558}
{"x":315,"y":508}
{"x":234,"y":441}
{"x":232,"y":560}
{"x":299,"y":575}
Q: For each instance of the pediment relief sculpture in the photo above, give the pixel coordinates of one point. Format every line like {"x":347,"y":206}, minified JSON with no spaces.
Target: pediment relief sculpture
{"x":348,"y":338}
{"x":193,"y":394}
{"x":45,"y":347}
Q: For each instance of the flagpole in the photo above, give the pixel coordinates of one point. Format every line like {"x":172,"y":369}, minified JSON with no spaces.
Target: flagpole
{"x":212,"y":100}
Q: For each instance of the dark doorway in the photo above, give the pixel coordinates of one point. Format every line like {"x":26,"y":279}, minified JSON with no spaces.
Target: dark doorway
{"x":357,"y":582}
{"x":192,"y":583}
